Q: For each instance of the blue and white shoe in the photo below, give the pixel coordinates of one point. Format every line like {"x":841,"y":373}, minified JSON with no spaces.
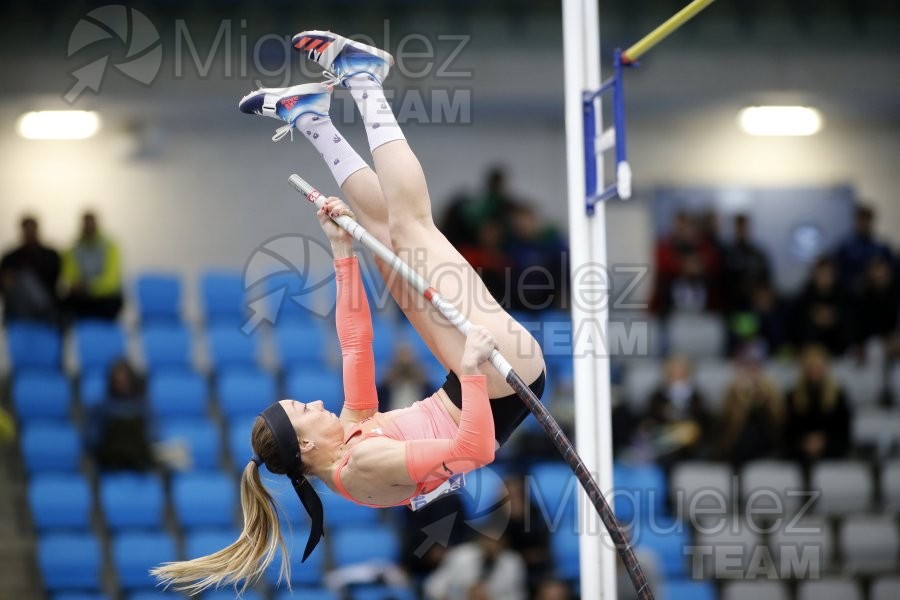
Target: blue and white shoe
{"x":288,"y":104}
{"x":343,"y":58}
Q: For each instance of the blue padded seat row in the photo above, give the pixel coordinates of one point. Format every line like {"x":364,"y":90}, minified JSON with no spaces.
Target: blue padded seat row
{"x":687,"y":590}
{"x":134,"y":553}
{"x":178,"y":394}
{"x":668,"y":539}
{"x":381,"y":592}
{"x":33,"y":346}
{"x":302,"y":573}
{"x":364,"y":543}
{"x":301,"y":345}
{"x":204,"y":499}
{"x":239,"y":429}
{"x":59,"y":501}
{"x":158,"y":297}
{"x":92,"y":387}
{"x":41,"y":395}
{"x":50,"y":446}
{"x":69,"y":561}
{"x":245,"y":392}
{"x":199,"y":435}
{"x":222,"y":297}
{"x":79,"y":596}
{"x":639,"y":491}
{"x":564,"y":550}
{"x":202,"y":542}
{"x":307,"y":593}
{"x":166,"y":346}
{"x":554,"y":489}
{"x":132,"y":500}
{"x":228,"y":346}
{"x":98,"y":344}
{"x":308,"y":385}
{"x":229,"y":595}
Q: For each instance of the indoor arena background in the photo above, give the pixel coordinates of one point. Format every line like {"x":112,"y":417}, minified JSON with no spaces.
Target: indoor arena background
{"x":754,"y":295}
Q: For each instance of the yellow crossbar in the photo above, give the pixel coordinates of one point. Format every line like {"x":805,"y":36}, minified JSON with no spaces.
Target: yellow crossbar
{"x":665,"y":30}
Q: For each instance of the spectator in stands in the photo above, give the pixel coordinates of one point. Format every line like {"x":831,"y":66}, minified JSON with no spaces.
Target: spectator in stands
{"x":855,"y":253}
{"x":404,"y":383}
{"x":821,"y":310}
{"x":92,"y":273}
{"x":676,"y":421}
{"x":818,"y":415}
{"x":687,"y":270}
{"x":28,"y":278}
{"x":877,"y":303}
{"x":527,"y":531}
{"x":553,"y":589}
{"x":746,"y":267}
{"x":488,"y":257}
{"x":429,"y":532}
{"x":752,"y":423}
{"x":484,"y":568}
{"x":763,"y":328}
{"x":538,"y":255}
{"x":120,"y":429}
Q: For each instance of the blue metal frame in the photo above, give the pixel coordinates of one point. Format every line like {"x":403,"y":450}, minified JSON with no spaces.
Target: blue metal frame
{"x":613,"y":84}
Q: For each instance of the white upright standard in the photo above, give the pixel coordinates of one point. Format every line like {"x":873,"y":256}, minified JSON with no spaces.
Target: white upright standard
{"x":589,"y":302}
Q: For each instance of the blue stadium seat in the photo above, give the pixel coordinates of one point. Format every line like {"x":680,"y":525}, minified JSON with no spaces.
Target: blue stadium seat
{"x":134,"y":553}
{"x":41,"y":395}
{"x":201,"y":437}
{"x":340,"y":512}
{"x":131,"y":500}
{"x":639,"y":491}
{"x":69,"y":561}
{"x":564,"y":550}
{"x":51,"y":447}
{"x":202,"y":542}
{"x":92,"y":388}
{"x":222,"y":298}
{"x":158,"y":297}
{"x":384,"y":343}
{"x":313,"y":593}
{"x":228,"y":347}
{"x":687,"y":590}
{"x":166,"y":346}
{"x":178,"y":394}
{"x":245,"y":392}
{"x":204,"y":499}
{"x":554,"y":489}
{"x":239,"y":440}
{"x":302,"y":573}
{"x":667,"y":539}
{"x":301,"y":345}
{"x":79,"y":596}
{"x":308,"y":385}
{"x":33,"y":346}
{"x":59,"y":501}
{"x":230,"y":595}
{"x":359,"y":544}
{"x":381,"y":592}
{"x":98,"y":343}
{"x":155,"y":595}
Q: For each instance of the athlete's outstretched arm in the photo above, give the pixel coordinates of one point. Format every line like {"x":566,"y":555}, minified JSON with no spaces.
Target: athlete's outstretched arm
{"x":353,"y":319}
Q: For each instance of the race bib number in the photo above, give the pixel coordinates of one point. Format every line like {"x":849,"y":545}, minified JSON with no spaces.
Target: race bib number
{"x":454,"y":483}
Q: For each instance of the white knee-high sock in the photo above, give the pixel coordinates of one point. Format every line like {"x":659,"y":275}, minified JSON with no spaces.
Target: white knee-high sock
{"x":337,"y":152}
{"x":381,"y":125}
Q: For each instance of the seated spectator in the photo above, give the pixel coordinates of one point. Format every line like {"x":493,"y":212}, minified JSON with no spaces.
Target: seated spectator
{"x":538,"y":255}
{"x":855,"y":253}
{"x":821,"y":309}
{"x":687,"y":271}
{"x":527,"y":531}
{"x":818,"y":416}
{"x":676,"y":422}
{"x":120,"y":428}
{"x":404,"y":383}
{"x":484,"y":568}
{"x":746,"y":267}
{"x":553,"y":589}
{"x":877,"y":303}
{"x":28,"y":278}
{"x":752,"y":422}
{"x":427,"y":534}
{"x":763,"y":327}
{"x":92,"y":274}
{"x":489,"y":259}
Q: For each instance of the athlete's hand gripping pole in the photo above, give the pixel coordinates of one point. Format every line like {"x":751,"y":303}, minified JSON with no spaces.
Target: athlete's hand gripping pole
{"x":548,"y":423}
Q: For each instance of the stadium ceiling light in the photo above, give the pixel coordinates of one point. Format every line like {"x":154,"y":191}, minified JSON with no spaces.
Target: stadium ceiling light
{"x":780,"y":120}
{"x":58,"y":124}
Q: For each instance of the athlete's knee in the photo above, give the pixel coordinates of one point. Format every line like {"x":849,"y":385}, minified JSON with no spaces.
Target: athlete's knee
{"x":410,"y":230}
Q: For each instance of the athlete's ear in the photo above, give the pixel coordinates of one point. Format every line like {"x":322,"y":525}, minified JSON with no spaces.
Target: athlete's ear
{"x":307,"y":446}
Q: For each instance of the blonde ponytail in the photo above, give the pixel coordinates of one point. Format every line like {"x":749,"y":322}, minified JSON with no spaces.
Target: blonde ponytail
{"x":244,"y":560}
